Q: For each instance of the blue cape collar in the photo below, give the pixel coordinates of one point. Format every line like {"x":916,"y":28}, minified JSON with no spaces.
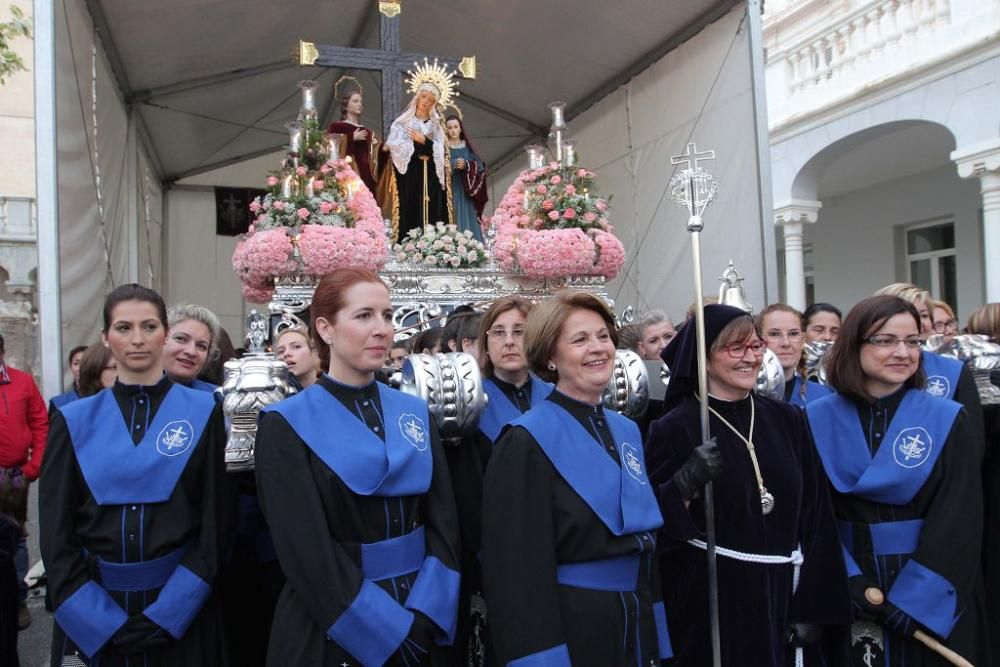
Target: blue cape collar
{"x":500,"y":411}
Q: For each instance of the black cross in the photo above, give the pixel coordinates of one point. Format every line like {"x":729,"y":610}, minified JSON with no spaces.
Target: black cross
{"x":388,"y":60}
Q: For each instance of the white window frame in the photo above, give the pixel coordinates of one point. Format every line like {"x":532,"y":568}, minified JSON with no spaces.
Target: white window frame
{"x":933,"y":255}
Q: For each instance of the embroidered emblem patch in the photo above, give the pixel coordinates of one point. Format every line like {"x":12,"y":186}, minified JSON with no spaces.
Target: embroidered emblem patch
{"x":912,"y":447}
{"x":175,"y":438}
{"x":414,"y":430}
{"x":938,"y":385}
{"x":632,"y":462}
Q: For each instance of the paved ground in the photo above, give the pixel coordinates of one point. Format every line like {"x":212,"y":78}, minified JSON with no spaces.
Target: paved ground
{"x":33,"y":643}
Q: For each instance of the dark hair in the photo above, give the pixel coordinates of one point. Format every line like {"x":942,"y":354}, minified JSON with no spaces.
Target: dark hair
{"x":75,"y":351}
{"x":328,"y":299}
{"x":468,"y":328}
{"x":95,"y":358}
{"x":499,"y":307}
{"x":133,"y":292}
{"x":449,"y":332}
{"x":402,"y":344}
{"x":843,"y":364}
{"x":545,"y":323}
{"x":820,"y":308}
{"x":214,"y":370}
{"x":628,"y":337}
{"x":345,"y":100}
{"x":428,"y":339}
{"x":1,"y":343}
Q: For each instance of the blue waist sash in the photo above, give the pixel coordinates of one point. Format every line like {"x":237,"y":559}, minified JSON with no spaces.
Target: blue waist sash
{"x":141,"y":576}
{"x":393,"y":557}
{"x":889,"y":538}
{"x":611,"y":574}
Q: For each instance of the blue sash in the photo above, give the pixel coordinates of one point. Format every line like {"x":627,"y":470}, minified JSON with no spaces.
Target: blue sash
{"x":119,"y":472}
{"x":65,"y":399}
{"x":942,"y":374}
{"x":400,"y":466}
{"x":912,"y":444}
{"x":500,"y":411}
{"x":620,"y":496}
{"x":814,"y":390}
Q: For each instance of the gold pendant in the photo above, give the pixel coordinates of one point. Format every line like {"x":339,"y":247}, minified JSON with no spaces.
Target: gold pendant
{"x":766,"y":501}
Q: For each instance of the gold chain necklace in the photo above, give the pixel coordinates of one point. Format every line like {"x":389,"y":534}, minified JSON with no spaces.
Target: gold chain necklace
{"x":766,"y":499}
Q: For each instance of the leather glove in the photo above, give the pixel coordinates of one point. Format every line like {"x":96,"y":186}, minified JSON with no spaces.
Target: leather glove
{"x":419,"y":640}
{"x":702,"y":466}
{"x":864,"y":610}
{"x":139,"y":634}
{"x":801,"y":635}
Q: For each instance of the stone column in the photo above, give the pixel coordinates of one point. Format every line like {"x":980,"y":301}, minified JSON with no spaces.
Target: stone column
{"x":983,"y":160}
{"x":791,"y":215}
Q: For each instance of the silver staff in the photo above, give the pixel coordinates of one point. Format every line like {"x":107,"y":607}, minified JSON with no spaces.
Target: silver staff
{"x":694,"y":189}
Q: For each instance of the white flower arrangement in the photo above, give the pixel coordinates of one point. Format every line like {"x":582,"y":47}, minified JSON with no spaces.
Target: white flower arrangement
{"x":441,"y":246}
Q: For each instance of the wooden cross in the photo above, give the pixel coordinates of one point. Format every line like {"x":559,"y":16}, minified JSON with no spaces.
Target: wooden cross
{"x":388,"y":59}
{"x":692,"y":156}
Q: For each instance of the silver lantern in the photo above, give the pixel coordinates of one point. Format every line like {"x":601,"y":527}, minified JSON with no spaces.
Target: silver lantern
{"x":452,"y":386}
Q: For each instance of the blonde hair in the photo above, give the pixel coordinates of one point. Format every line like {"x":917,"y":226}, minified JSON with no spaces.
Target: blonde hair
{"x":545,"y":323}
{"x":943,"y":305}
{"x":907,"y":292}
{"x":302,"y":331}
{"x":986,"y":321}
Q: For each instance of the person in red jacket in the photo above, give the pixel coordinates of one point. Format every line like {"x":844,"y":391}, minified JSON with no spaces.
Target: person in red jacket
{"x":24,"y":425}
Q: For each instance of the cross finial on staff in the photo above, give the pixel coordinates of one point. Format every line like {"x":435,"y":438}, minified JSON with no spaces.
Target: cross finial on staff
{"x":692,"y":157}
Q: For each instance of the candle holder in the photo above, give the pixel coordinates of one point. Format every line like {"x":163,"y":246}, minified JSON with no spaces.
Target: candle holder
{"x":569,"y":153}
{"x":536,"y":156}
{"x":308,"y":110}
{"x":295,"y":131}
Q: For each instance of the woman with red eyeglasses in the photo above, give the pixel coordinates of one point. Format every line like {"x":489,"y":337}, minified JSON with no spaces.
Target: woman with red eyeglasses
{"x":906,"y":493}
{"x":770,"y":499}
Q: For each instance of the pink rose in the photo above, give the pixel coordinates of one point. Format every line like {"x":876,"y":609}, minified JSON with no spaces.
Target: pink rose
{"x":570,"y":190}
{"x":326,"y":207}
{"x":325,"y":169}
{"x":279,"y":205}
{"x":556,"y":180}
{"x":272,"y":180}
{"x":581,"y":173}
{"x":553,"y":215}
{"x":569,"y":213}
{"x":303,"y":213}
{"x":541,"y":189}
{"x":590,"y":216}
{"x":255,"y":206}
{"x":601,"y":205}
{"x":547,"y":204}
{"x":301,"y":171}
{"x":318,"y":185}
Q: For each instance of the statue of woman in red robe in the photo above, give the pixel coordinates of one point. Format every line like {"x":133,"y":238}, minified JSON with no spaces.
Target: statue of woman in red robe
{"x":358,"y":142}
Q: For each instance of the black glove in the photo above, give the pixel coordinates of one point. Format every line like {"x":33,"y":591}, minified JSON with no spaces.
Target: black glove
{"x":139,"y":634}
{"x":702,"y":466}
{"x":864,"y":610}
{"x":898,"y":620}
{"x":419,"y":640}
{"x":801,"y":635}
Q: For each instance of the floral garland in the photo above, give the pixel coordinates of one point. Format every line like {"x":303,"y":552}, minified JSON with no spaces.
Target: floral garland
{"x":549,"y":225}
{"x":321,"y":220}
{"x":440,"y":245}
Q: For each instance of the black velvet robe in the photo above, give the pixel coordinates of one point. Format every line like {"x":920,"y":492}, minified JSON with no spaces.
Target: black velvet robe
{"x":533,"y":521}
{"x":951,"y":505}
{"x":467,"y":462}
{"x":991,"y":515}
{"x":410,"y":191}
{"x":756,"y":603}
{"x":10,"y":535}
{"x":71,"y":521}
{"x":319,"y":524}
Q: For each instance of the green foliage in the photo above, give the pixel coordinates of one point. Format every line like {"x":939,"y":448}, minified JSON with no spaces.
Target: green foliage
{"x":17,"y":26}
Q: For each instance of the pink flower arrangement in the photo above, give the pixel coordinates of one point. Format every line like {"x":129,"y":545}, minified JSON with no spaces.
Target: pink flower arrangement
{"x":325,"y":249}
{"x":610,"y":254}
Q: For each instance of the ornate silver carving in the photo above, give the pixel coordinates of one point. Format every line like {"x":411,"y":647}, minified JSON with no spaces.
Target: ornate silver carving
{"x":815,"y":358}
{"x":771,"y":377}
{"x":256,"y":332}
{"x":292,"y":293}
{"x":731,"y":289}
{"x":452,"y":386}
{"x":628,"y":389}
{"x":252,"y":383}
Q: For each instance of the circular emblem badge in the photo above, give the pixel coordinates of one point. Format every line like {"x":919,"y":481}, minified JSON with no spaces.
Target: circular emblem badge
{"x":414,"y":430}
{"x":938,"y":385}
{"x":912,"y":447}
{"x":633,"y":462}
{"x":175,"y":438}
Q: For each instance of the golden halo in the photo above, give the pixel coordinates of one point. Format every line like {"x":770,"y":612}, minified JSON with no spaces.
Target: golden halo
{"x":361,"y":89}
{"x":436,"y":76}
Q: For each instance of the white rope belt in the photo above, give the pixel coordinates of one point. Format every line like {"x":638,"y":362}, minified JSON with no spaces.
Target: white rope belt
{"x":795,"y":559}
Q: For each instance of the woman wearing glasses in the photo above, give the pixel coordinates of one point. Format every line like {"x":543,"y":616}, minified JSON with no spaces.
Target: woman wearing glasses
{"x":511,"y":391}
{"x":907,"y":496}
{"x":944,"y":320}
{"x":770,"y":501}
{"x":781,"y":326}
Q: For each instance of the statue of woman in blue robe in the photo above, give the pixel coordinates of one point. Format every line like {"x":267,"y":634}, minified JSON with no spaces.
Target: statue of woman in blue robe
{"x":468,"y":178}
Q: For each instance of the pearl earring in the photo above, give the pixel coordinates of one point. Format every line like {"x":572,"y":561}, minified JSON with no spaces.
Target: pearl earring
{"x":552,"y":367}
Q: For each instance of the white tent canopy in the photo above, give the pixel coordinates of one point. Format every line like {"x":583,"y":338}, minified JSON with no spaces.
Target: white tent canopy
{"x":148,"y":94}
